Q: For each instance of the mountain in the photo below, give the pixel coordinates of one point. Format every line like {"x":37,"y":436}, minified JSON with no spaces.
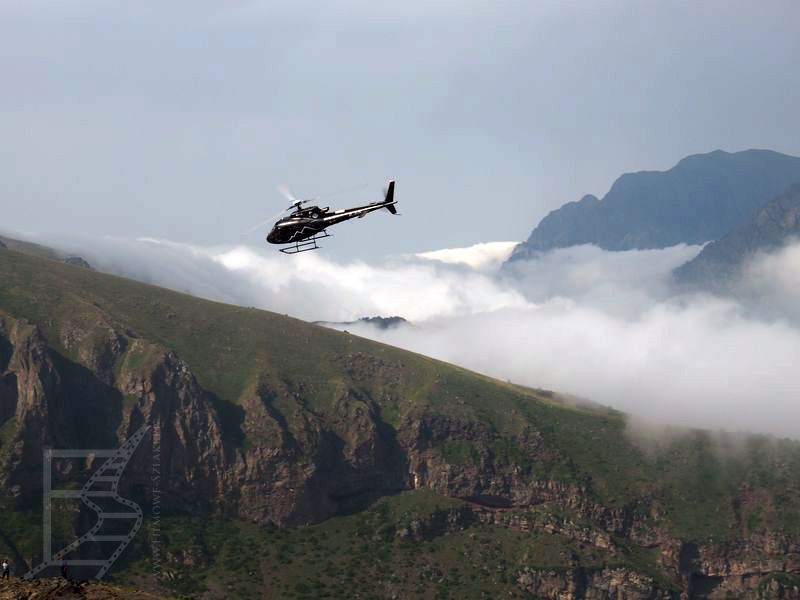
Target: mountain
{"x":288,"y":460}
{"x":700,"y":199}
{"x":382,"y":323}
{"x":718,"y":264}
{"x":77,"y":261}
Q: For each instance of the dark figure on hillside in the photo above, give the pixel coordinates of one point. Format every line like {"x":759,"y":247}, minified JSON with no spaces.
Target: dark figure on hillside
{"x":65,"y":571}
{"x":6,"y":568}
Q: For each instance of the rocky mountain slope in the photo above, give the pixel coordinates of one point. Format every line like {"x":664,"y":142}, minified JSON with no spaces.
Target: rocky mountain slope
{"x":720,"y":262}
{"x":700,"y":199}
{"x":58,"y":589}
{"x":294,"y":461}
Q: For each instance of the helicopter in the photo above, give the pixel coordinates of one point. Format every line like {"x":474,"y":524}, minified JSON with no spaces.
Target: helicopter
{"x":307,"y":224}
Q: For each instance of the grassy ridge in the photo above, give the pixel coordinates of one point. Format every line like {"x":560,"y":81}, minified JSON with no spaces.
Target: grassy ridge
{"x":232,"y":348}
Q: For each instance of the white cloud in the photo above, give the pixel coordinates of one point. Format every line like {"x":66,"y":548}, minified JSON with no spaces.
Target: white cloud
{"x":583,"y":321}
{"x":618,"y":282}
{"x":702,"y":365}
{"x":486,"y":256}
{"x":308,"y":285}
{"x":771,"y":282}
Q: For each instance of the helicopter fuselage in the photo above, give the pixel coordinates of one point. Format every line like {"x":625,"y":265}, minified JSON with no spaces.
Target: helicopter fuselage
{"x":305,"y":223}
{"x":295,"y":228}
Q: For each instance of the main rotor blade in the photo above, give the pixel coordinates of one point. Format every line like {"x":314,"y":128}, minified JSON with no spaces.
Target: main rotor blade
{"x":284,"y":189}
{"x":271,"y":219}
{"x":254,"y":227}
{"x":344,"y":191}
{"x":287,"y":193}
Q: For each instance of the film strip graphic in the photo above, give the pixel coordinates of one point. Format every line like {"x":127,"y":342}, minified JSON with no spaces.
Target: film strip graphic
{"x":108,"y":475}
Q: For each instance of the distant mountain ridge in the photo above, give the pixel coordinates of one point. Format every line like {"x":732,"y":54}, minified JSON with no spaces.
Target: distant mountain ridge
{"x":378,"y":321}
{"x":721,"y":261}
{"x":700,"y":199}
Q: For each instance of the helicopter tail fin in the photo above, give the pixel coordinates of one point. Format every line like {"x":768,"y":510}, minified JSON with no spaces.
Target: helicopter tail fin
{"x":389,"y":200}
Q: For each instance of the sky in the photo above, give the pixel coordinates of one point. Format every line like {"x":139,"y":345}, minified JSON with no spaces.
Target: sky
{"x":177,"y":121}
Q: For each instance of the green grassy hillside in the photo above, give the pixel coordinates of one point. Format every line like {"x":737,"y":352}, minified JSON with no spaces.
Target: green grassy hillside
{"x":232,"y":348}
{"x":588,"y":474}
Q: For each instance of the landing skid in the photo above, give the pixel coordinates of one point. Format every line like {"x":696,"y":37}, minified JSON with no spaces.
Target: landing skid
{"x":307,"y":244}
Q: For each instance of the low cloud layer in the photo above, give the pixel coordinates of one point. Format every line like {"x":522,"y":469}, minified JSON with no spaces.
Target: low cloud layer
{"x":604,"y":326}
{"x":771,"y":283}
{"x":486,"y":256}
{"x":308,"y":286}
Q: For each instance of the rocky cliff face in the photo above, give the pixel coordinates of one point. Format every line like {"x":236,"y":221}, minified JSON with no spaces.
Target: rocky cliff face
{"x":33,"y":404}
{"x":700,"y":199}
{"x":755,"y":568}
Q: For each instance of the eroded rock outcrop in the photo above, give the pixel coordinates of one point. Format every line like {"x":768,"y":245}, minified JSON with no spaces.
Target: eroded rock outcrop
{"x":58,"y":589}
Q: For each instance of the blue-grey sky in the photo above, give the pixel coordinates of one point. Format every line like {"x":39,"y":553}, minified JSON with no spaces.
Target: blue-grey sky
{"x":177,"y":120}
